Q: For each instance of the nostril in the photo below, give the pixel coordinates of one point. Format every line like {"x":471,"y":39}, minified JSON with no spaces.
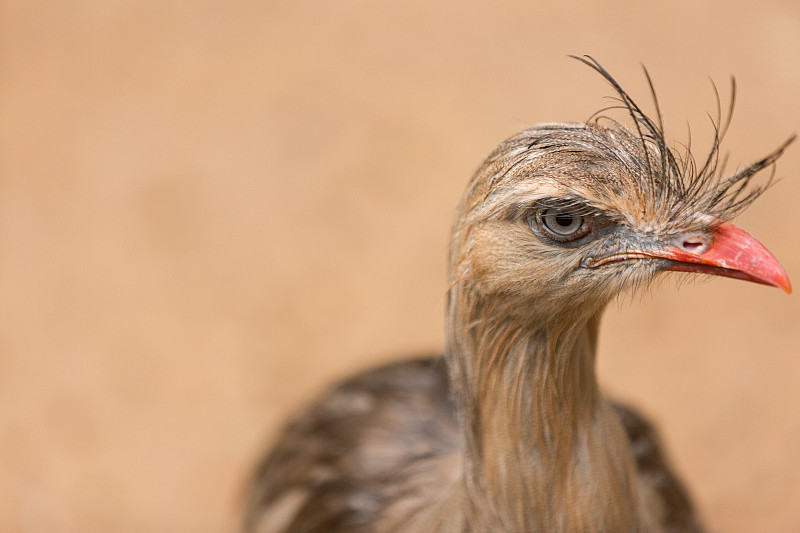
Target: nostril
{"x":691,"y":246}
{"x":693,"y":243}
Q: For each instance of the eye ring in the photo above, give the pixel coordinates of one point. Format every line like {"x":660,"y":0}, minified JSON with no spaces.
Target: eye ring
{"x":562,"y":225}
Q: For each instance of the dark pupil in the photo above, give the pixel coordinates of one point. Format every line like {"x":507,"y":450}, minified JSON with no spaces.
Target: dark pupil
{"x":564,"y":220}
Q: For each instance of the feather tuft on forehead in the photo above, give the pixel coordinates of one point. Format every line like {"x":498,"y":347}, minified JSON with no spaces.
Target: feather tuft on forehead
{"x":678,"y":176}
{"x":669,"y":186}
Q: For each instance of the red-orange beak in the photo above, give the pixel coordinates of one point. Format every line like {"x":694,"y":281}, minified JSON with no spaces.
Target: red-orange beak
{"x":728,"y":251}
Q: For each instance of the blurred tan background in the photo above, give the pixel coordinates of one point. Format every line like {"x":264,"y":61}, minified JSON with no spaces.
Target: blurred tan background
{"x":209,"y":211}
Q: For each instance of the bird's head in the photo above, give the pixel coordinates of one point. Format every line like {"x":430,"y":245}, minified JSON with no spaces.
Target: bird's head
{"x":567,"y":216}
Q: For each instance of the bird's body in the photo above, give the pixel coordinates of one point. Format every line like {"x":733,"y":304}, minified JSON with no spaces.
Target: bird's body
{"x":509,"y":431}
{"x":381,"y":452}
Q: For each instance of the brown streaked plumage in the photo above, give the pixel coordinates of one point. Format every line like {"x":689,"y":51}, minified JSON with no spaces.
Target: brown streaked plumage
{"x":509,"y":431}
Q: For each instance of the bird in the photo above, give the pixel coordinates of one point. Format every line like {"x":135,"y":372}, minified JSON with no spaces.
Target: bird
{"x":508,"y":430}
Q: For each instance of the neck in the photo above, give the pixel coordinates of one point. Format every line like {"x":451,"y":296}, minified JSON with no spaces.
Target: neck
{"x":543,"y":450}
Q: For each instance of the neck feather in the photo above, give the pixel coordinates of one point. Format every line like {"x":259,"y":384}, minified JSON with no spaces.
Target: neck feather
{"x":543,"y":450}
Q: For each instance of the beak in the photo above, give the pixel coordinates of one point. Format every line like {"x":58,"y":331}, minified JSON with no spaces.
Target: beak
{"x":724,"y":251}
{"x":728,"y":251}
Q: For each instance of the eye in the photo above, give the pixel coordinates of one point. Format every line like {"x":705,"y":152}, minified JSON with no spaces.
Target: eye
{"x":562,"y":225}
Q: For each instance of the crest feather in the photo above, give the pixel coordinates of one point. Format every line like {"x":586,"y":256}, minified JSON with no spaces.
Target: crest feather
{"x":675,"y":183}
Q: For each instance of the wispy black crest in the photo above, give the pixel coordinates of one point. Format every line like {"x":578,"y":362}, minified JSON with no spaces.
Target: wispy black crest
{"x":676,"y":182}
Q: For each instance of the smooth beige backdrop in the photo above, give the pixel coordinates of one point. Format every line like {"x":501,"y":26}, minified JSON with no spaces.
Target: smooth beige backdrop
{"x":209,"y":210}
